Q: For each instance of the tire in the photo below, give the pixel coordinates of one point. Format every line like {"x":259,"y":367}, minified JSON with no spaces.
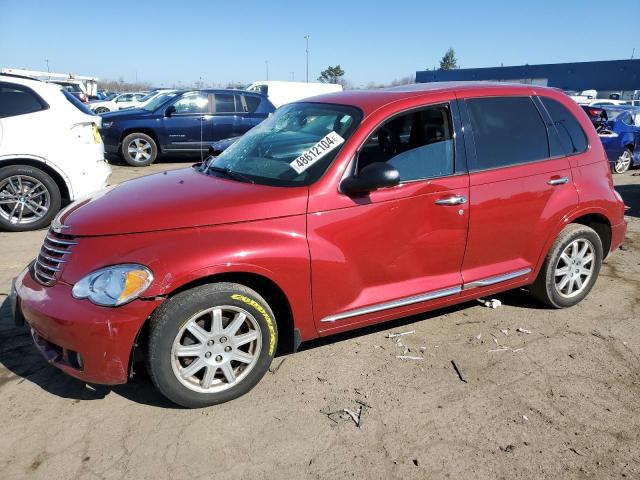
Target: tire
{"x":139,"y":149}
{"x":190,"y":364}
{"x":624,"y":161}
{"x":36,"y":196}
{"x":560,"y":288}
{"x":100,"y":110}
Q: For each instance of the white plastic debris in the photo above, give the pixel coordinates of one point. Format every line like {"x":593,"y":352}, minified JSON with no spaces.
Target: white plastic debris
{"x":493,"y":303}
{"x":478,"y":336}
{"x":525,"y":418}
{"x":506,"y":332}
{"x":402,"y":334}
{"x":408,"y":357}
{"x":523,"y":330}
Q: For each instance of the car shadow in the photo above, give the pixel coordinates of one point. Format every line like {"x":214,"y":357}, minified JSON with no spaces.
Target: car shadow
{"x":20,"y":357}
{"x":187,"y":159}
{"x":631,"y":196}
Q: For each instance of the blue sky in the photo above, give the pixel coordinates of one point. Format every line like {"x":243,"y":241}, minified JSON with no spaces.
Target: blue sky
{"x":165,"y":42}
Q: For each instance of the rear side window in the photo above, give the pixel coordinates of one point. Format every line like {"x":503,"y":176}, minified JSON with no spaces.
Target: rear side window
{"x":572,"y":137}
{"x":224,"y":103}
{"x":17,"y":100}
{"x":252,"y":103}
{"x":507,"y":131}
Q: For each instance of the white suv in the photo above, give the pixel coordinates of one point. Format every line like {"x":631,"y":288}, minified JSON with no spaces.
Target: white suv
{"x":51,"y":152}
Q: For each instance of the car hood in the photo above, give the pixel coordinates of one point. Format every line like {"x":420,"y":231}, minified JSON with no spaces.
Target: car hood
{"x":182,"y":198}
{"x":128,"y":113}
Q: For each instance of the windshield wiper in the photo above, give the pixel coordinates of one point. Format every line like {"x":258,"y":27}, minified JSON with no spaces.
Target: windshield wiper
{"x":230,"y":173}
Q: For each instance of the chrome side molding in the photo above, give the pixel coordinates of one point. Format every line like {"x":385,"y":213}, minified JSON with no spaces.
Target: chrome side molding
{"x":484,"y":282}
{"x":401,"y":302}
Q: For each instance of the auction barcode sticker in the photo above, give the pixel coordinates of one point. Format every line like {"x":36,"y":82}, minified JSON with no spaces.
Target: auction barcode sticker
{"x":329,"y":142}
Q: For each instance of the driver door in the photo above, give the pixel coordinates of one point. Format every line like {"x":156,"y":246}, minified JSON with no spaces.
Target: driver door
{"x":190,"y":124}
{"x":398,"y":249}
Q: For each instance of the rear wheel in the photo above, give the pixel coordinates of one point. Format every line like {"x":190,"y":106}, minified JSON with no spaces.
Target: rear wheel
{"x":623,"y":163}
{"x":29,"y":198}
{"x":211,"y":344}
{"x":571,"y":267}
{"x":139,"y":150}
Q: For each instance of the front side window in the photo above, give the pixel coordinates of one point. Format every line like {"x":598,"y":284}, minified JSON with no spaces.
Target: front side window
{"x":16,"y":100}
{"x":419,"y":144}
{"x":572,"y":137}
{"x":507,"y":131}
{"x":192,"y":104}
{"x":293,"y":147}
{"x":124,"y":98}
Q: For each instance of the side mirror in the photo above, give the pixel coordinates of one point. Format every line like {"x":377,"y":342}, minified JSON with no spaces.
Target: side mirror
{"x":373,"y":176}
{"x":169,"y":111}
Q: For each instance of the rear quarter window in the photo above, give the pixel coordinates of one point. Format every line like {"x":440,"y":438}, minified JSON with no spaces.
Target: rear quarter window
{"x":18,"y":100}
{"x":507,"y":131}
{"x":571,"y":134}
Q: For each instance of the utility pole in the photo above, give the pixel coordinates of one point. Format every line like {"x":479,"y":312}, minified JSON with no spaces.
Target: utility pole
{"x":292,"y":77}
{"x":633,"y":52}
{"x":306,"y":37}
{"x":48,"y":71}
{"x":266,"y":62}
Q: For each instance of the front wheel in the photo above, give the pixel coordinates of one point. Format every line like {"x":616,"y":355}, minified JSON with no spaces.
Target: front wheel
{"x":623,"y":162}
{"x":139,"y":150}
{"x":211,"y":344}
{"x":29,"y":198}
{"x":571,"y":267}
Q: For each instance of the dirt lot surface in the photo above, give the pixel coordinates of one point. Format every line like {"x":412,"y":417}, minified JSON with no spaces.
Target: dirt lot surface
{"x":560,"y":402}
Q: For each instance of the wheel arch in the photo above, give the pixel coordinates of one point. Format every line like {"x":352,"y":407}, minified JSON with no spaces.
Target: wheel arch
{"x":288,"y":336}
{"x":36,"y":162}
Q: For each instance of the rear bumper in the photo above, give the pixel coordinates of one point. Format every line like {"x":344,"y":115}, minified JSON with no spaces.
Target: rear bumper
{"x":617,"y":235}
{"x":86,"y":341}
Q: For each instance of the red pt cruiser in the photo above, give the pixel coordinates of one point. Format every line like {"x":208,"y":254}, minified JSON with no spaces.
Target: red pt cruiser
{"x":337,"y":212}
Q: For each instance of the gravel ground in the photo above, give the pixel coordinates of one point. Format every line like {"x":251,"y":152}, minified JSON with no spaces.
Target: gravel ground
{"x":560,"y":402}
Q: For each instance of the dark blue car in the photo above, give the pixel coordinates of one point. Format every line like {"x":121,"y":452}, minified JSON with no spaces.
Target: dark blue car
{"x":182,"y":122}
{"x":620,"y":137}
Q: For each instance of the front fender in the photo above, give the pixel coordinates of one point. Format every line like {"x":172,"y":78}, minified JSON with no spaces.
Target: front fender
{"x":275,"y":249}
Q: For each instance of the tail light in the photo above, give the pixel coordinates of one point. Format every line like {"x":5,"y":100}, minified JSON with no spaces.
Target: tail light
{"x":594,"y":112}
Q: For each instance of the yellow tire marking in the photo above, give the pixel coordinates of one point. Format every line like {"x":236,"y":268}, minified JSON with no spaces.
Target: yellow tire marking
{"x":267,"y":318}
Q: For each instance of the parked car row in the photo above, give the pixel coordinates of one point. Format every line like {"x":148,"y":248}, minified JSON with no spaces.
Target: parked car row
{"x":386,"y":203}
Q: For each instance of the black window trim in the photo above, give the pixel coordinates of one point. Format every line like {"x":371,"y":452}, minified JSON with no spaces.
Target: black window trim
{"x":548,"y":120}
{"x":456,"y":123}
{"x":18,"y":86}
{"x":469,"y":134}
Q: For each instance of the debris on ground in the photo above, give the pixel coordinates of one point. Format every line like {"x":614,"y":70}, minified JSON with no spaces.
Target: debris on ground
{"x":277,"y":367}
{"x":493,"y":303}
{"x":576,"y":451}
{"x":525,"y":418}
{"x":409,"y":357}
{"x":508,"y":448}
{"x":597,"y":334}
{"x":455,"y":367}
{"x":506,"y":332}
{"x":505,"y":349}
{"x":478,"y":336}
{"x":402,"y":334}
{"x":349,"y":414}
{"x":523,"y":330}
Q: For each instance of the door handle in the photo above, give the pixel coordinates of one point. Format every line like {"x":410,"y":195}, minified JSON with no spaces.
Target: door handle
{"x":558,"y":181}
{"x":452,"y":200}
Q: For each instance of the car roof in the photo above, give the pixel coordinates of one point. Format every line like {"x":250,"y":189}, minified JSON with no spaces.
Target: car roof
{"x":370,"y":100}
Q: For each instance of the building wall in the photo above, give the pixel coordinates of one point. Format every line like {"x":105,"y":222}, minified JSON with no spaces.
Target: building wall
{"x":609,"y":75}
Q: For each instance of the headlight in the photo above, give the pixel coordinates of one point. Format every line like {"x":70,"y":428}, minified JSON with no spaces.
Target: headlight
{"x":114,"y":286}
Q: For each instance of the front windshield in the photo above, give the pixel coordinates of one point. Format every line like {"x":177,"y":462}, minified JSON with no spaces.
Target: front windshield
{"x":292,"y":147}
{"x":159,"y":101}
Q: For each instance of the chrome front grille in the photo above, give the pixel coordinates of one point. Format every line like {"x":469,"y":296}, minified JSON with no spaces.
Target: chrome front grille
{"x":54,"y":253}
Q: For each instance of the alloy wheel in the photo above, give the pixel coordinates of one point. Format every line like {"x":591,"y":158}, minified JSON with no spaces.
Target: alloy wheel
{"x":216,"y":348}
{"x":23,"y":199}
{"x":624,"y":162}
{"x":574,"y":269}
{"x":139,"y":150}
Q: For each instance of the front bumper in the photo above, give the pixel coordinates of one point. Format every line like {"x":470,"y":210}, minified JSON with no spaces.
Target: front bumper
{"x":84,"y":340}
{"x":111,"y":138}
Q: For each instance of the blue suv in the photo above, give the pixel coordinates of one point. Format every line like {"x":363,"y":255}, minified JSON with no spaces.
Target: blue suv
{"x":181,"y":122}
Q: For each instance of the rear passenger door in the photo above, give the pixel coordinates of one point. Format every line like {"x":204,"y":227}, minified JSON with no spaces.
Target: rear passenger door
{"x":520,"y":186}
